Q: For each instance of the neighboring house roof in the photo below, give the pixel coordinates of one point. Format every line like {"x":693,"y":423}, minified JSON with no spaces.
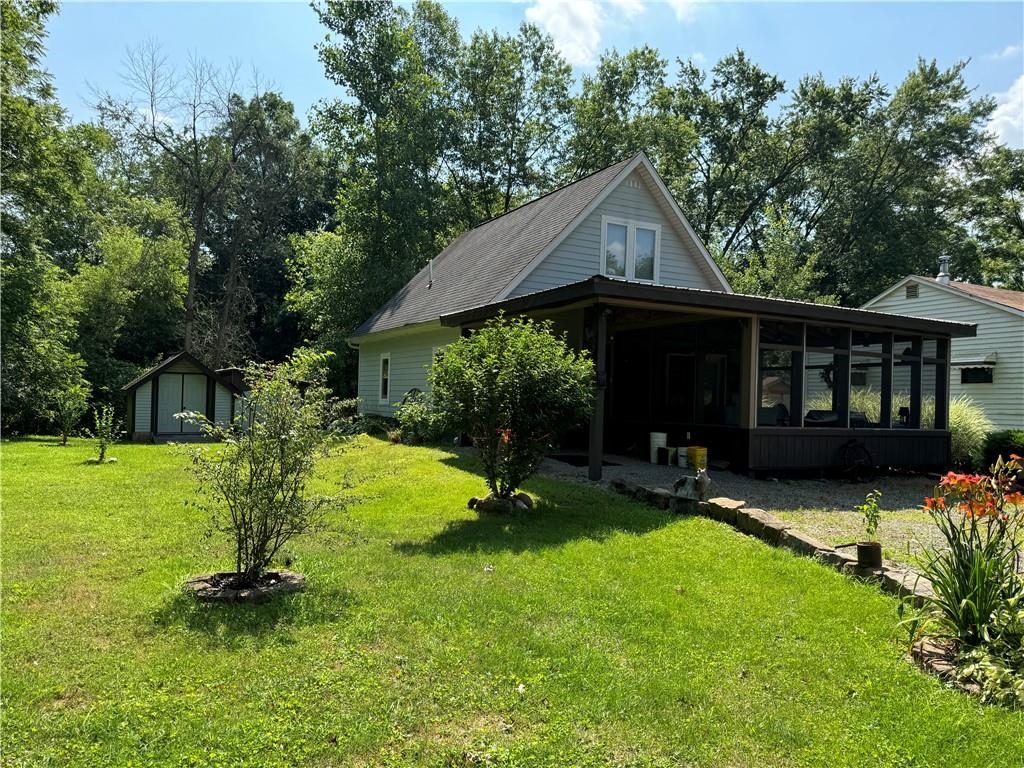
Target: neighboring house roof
{"x":1004,"y":296}
{"x":599,"y":287}
{"x":1001,"y":298}
{"x":482,"y":265}
{"x":183,"y":357}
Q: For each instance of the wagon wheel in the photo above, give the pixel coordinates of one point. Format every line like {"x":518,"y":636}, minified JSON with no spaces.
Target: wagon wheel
{"x":858,"y":464}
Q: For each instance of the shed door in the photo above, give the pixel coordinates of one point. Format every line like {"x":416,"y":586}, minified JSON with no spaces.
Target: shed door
{"x":193,"y":398}
{"x":180,"y":392}
{"x":170,"y":403}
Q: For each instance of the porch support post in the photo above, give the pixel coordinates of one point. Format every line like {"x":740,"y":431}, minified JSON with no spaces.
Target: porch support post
{"x":749,"y":373}
{"x":915,"y":384}
{"x":596,"y":319}
{"x":885,"y":409}
{"x":842,"y":377}
{"x":942,"y":385}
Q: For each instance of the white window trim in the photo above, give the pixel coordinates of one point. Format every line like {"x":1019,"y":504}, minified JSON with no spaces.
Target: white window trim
{"x":380,"y":378}
{"x":631,"y":226}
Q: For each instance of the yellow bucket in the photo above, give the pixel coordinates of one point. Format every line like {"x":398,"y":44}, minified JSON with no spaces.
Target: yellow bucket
{"x":697,"y":456}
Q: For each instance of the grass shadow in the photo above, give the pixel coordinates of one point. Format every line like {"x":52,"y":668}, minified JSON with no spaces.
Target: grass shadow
{"x":225,"y":624}
{"x":565,"y":512}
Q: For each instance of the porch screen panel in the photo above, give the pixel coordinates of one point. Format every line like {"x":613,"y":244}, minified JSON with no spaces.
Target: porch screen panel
{"x":907,"y":405}
{"x":780,"y":374}
{"x":827,"y":377}
{"x":870,"y":358}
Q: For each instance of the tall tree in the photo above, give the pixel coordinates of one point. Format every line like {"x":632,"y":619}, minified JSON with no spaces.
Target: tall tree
{"x":45,"y":166}
{"x":513,"y":104}
{"x":194,"y":127}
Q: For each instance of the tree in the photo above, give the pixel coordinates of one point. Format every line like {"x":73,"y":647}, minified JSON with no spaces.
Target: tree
{"x":994,"y":210}
{"x":256,"y":483}
{"x":196,"y":127}
{"x":514,"y":387}
{"x":129,"y":293}
{"x":69,"y":405}
{"x":45,"y":166}
{"x":782,"y":265}
{"x":512,"y":101}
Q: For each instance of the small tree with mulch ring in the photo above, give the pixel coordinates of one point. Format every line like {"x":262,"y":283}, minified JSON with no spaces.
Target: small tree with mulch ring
{"x":255,"y":483}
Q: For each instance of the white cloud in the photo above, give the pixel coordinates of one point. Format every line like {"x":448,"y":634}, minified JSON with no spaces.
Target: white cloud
{"x":698,"y":59}
{"x":1009,"y":52}
{"x":686,"y":10}
{"x":1007,"y":122}
{"x":629,"y":8}
{"x":575,"y":27}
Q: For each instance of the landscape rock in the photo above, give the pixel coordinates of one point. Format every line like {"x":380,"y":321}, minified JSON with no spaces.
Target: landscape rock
{"x":800,"y":542}
{"x":221,"y":587}
{"x":660,"y":498}
{"x":494,"y":505}
{"x":724,"y":509}
{"x":834,"y":558}
{"x":761,"y":524}
{"x":525,"y":499}
{"x":680,"y":506}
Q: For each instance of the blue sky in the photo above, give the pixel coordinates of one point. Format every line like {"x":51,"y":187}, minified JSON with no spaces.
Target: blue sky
{"x":88,"y":40}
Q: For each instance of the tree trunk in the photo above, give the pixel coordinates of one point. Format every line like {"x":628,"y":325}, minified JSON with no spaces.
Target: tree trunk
{"x":198,"y":227}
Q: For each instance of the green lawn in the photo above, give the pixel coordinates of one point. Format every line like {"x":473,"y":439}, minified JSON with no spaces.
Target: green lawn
{"x":605,"y":634}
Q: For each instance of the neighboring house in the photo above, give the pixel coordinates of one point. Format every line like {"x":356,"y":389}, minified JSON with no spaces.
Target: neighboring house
{"x":180,"y":383}
{"x":614,"y":264}
{"x":989,"y":367}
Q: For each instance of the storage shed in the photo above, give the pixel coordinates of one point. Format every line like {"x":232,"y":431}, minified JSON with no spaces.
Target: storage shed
{"x":179,"y":383}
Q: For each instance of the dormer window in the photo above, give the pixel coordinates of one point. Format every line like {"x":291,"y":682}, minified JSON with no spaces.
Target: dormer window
{"x":630,"y":249}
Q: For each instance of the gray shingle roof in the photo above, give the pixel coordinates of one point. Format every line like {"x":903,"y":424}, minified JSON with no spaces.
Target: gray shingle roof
{"x":476,"y":267}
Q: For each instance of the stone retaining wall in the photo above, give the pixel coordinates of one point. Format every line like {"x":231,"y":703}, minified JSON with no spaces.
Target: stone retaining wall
{"x":891,"y":578}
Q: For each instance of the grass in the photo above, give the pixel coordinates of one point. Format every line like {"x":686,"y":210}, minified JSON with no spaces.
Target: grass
{"x":590,"y":632}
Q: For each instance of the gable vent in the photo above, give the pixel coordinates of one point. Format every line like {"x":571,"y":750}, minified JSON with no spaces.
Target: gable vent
{"x":633,"y":182}
{"x":912,"y":290}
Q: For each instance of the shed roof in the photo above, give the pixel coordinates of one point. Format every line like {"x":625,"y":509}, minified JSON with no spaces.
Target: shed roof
{"x":178,"y":357}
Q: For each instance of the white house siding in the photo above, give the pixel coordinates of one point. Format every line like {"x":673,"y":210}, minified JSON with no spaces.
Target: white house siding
{"x":222,"y":405}
{"x":578,"y":257}
{"x":411,"y":355}
{"x":999,"y":330}
{"x":143,"y":407}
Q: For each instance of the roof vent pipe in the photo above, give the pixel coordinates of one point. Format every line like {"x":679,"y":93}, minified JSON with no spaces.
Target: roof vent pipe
{"x":943,"y":276}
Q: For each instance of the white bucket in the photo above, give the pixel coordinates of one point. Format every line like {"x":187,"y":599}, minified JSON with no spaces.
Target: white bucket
{"x":658,"y":440}
{"x":681,"y":459}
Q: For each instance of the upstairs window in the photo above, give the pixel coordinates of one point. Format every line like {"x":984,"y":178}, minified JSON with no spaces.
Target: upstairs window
{"x":975,"y":375}
{"x":630,"y":249}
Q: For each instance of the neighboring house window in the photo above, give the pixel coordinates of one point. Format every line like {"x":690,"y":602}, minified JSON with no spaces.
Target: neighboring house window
{"x":630,"y":249}
{"x":385,"y":377}
{"x":912,"y":290}
{"x":975,"y":375}
{"x":858,"y":378}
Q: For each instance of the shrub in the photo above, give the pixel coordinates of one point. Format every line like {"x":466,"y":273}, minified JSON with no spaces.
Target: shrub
{"x":512,"y":386}
{"x":418,"y":420}
{"x":69,"y":405}
{"x":975,"y":574}
{"x":968,"y":426}
{"x":105,"y":433}
{"x":968,"y":423}
{"x":255,"y":485}
{"x":1004,"y":443}
{"x":998,"y":666}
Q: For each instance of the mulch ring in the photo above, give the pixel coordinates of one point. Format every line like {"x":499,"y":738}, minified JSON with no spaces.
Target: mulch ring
{"x":224,"y":587}
{"x":938,"y":657}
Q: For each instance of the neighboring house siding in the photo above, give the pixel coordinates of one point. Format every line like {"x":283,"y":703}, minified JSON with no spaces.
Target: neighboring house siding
{"x":222,"y":405}
{"x":143,"y":407}
{"x":578,"y":257}
{"x":1000,"y":331}
{"x":410,"y":357}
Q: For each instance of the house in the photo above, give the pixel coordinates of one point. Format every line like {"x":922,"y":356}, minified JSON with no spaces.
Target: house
{"x":612,"y":261}
{"x":179,"y":383}
{"x":988,"y":367}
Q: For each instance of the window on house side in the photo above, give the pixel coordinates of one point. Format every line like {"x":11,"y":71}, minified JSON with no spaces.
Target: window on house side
{"x":630,"y":249}
{"x":975,"y":375}
{"x":385,"y":377}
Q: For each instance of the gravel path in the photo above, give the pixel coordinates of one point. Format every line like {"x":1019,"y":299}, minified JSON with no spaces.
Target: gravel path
{"x":822,"y":508}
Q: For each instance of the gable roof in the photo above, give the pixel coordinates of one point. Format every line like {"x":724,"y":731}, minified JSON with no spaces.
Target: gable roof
{"x":1001,"y":298}
{"x":180,"y":357}
{"x":485,"y":263}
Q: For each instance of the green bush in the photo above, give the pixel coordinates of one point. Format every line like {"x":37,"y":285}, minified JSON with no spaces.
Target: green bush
{"x":998,"y":666}
{"x":514,"y":387}
{"x":418,"y":419}
{"x":1003,"y":443}
{"x":968,"y":424}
